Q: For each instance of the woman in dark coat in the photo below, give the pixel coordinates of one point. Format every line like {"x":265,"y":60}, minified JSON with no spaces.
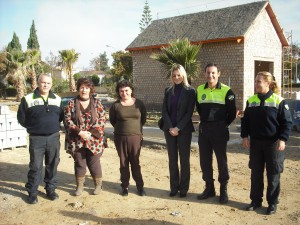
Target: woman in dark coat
{"x":177,"y":111}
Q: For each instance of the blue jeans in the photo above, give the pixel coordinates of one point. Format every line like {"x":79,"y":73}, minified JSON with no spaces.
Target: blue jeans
{"x":40,"y":147}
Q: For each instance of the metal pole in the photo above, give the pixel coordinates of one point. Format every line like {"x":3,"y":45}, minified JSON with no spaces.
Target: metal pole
{"x":296,"y":75}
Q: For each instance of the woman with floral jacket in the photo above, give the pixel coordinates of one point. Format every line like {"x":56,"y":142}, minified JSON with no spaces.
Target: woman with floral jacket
{"x":84,"y":122}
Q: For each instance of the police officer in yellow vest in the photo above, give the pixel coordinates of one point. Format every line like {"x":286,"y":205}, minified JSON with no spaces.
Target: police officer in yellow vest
{"x":217,"y":110}
{"x":267,"y":121}
{"x":40,"y":113}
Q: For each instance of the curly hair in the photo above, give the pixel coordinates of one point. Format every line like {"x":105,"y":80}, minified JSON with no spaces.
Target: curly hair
{"x":87,"y":82}
{"x":124,"y":83}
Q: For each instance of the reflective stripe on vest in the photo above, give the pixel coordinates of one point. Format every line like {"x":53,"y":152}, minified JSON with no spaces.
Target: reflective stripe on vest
{"x":39,"y":101}
{"x":207,"y":95}
{"x":273,"y":101}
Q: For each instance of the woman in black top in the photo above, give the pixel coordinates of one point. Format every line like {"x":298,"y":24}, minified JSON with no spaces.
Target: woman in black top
{"x":267,"y":121}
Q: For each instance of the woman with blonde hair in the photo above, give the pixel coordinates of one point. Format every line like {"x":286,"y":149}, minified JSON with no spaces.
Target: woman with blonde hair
{"x":267,"y":121}
{"x":177,"y":110}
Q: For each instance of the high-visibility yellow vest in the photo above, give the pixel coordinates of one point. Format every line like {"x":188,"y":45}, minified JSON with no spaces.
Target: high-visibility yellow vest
{"x":273,"y":101}
{"x":31,"y":101}
{"x":207,"y":95}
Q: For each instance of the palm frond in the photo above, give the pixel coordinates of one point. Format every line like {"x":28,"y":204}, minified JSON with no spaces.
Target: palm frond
{"x":179,"y":52}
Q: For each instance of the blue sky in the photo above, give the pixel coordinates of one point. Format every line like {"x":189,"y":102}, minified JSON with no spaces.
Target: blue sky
{"x":94,"y":26}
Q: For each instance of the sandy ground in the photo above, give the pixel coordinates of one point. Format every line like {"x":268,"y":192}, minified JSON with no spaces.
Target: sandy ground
{"x":157,"y":207}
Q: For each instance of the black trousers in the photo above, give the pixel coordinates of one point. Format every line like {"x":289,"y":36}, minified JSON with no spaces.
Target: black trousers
{"x":85,"y":158}
{"x":180,"y":144}
{"x":129,"y":149}
{"x":41,"y":147}
{"x":263,"y":154}
{"x":213,"y":137}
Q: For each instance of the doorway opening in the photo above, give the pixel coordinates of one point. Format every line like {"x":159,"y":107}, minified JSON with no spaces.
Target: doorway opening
{"x":263,"y":66}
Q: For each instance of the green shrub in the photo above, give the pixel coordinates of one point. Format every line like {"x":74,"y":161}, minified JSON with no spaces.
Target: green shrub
{"x":60,"y":86}
{"x":77,"y":76}
{"x":95,"y":79}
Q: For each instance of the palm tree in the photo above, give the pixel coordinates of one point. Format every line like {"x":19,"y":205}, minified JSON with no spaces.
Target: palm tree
{"x":16,"y":71}
{"x":32,"y":59}
{"x":180,"y":52}
{"x":69,"y":57}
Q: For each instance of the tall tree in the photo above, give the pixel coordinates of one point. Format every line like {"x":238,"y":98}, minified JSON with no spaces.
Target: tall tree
{"x":100,"y":62}
{"x":180,"y":52}
{"x":69,"y":57}
{"x":52,"y":61}
{"x":122,"y":65}
{"x":14,"y":44}
{"x":32,"y":57}
{"x":146,"y":17}
{"x":104,"y":62}
{"x":3,"y":56}
{"x":33,"y":42}
{"x":16,"y":71}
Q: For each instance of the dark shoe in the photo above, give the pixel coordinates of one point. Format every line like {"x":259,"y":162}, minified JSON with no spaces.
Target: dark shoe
{"x":52,"y":195}
{"x":124,"y":192}
{"x":173,"y":193}
{"x":32,"y":199}
{"x":253,"y":206}
{"x":208,"y":192}
{"x":223,"y":194}
{"x":223,"y":198}
{"x":142,"y":192}
{"x":182,"y":194}
{"x":271,"y":209}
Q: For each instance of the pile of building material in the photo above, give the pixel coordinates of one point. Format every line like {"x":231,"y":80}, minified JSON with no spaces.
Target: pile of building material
{"x":12,"y":134}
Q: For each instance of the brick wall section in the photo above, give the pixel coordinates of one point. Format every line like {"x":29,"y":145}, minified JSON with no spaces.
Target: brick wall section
{"x":229,"y":57}
{"x":148,"y":78}
{"x":261,"y":44}
{"x":236,"y":61}
{"x":150,"y":82}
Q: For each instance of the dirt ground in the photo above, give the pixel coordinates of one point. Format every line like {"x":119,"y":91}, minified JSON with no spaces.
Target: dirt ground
{"x":157,"y":207}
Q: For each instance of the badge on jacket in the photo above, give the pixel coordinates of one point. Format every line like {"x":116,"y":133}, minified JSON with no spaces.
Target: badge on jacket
{"x":231,"y":97}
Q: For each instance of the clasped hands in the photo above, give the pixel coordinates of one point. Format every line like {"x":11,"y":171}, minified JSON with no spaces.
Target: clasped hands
{"x":174,"y":131}
{"x":85,"y":134}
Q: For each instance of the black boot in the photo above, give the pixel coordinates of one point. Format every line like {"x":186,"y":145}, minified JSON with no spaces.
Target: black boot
{"x":208,"y":192}
{"x":223,"y":193}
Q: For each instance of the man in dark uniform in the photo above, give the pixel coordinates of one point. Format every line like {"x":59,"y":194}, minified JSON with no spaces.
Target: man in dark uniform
{"x":216,"y":107}
{"x":40,"y":113}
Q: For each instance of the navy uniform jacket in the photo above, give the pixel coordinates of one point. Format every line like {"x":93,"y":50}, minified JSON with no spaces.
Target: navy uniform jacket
{"x":266,"y":117}
{"x":40,"y":117}
{"x":216,"y":105}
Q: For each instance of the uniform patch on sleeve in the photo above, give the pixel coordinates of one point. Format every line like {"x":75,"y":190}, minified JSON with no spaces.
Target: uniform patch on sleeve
{"x":286,"y":106}
{"x":231,"y":97}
